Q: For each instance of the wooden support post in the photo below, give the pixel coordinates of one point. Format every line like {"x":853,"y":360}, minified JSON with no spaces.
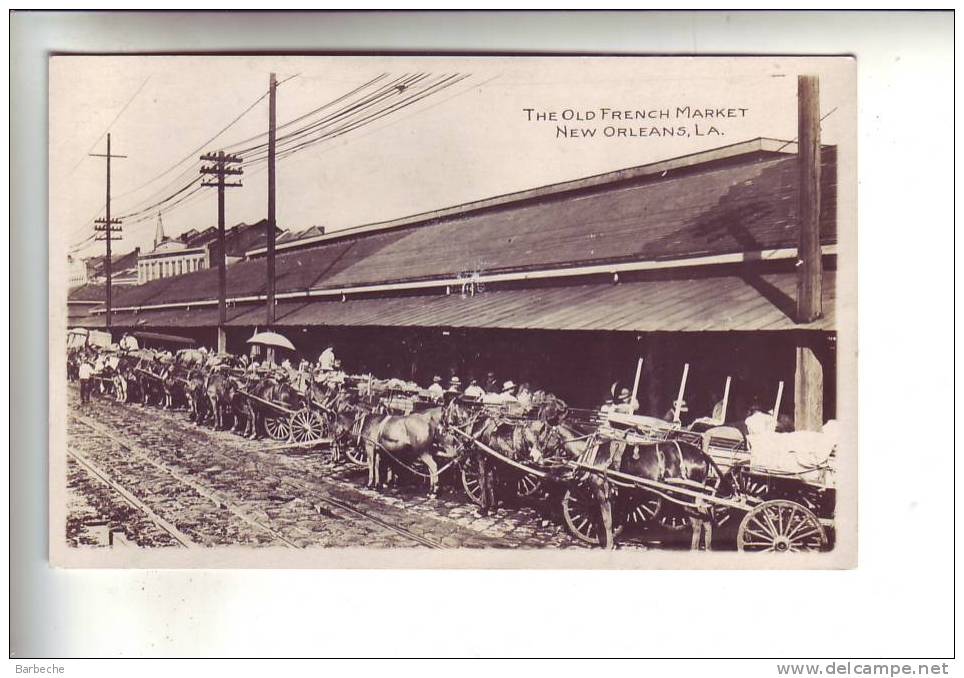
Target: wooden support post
{"x":808,"y":377}
{"x":809,"y":266}
{"x":808,"y":390}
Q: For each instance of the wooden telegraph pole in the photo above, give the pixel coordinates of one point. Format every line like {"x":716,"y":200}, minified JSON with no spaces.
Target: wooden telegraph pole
{"x":272,"y":106}
{"x":108,"y":226}
{"x":808,"y":382}
{"x":272,"y":102}
{"x":220,"y":169}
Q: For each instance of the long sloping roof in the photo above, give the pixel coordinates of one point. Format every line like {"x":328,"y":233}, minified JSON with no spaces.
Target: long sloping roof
{"x":746,"y":204}
{"x":743,"y":302}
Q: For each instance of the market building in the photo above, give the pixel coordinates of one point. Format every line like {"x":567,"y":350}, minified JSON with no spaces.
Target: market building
{"x":691,"y":260}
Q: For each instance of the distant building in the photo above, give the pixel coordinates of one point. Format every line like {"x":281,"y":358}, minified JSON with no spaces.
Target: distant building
{"x":196,"y":250}
{"x":123,"y":269}
{"x":76,"y":271}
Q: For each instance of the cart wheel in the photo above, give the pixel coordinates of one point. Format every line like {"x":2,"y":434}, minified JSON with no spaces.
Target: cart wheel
{"x":307,"y":426}
{"x":356,"y":455}
{"x":645,"y":511}
{"x":472,"y":481}
{"x":578,"y":511}
{"x":528,"y":486}
{"x":673,"y":519}
{"x":278,"y":428}
{"x":781,"y":526}
{"x":744,"y":484}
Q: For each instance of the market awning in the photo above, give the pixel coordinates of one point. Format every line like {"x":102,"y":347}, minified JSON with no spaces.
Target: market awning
{"x":748,"y":302}
{"x":164,"y":338}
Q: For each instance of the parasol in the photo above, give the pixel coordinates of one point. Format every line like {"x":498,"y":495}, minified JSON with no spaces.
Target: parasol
{"x":271,"y":339}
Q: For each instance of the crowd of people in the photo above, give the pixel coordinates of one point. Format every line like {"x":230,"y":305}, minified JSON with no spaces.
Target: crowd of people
{"x":95,"y":366}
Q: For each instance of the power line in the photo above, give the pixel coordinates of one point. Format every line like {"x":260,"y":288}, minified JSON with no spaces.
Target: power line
{"x":112,"y":122}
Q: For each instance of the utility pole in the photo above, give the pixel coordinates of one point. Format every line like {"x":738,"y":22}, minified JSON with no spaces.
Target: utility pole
{"x":272,"y":104}
{"x":220,"y":169}
{"x":272,"y":109}
{"x":108,"y":226}
{"x":808,"y":380}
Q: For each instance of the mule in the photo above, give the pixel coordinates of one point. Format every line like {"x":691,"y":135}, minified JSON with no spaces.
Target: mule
{"x":663,"y":462}
{"x":408,"y":439}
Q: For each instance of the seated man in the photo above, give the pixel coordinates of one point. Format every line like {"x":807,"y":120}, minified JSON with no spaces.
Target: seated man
{"x":474,"y":391}
{"x":626,"y":403}
{"x":435,"y":391}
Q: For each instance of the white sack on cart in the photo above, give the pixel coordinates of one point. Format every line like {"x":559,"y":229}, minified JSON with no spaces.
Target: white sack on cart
{"x":794,"y":451}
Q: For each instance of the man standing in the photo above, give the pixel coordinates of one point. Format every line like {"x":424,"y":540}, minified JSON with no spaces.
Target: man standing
{"x":85,"y":373}
{"x":326,"y":361}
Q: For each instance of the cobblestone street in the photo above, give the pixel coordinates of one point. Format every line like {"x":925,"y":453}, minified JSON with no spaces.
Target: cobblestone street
{"x":216,"y":488}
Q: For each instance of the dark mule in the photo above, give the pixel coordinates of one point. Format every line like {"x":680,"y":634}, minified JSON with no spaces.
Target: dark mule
{"x":664,"y":462}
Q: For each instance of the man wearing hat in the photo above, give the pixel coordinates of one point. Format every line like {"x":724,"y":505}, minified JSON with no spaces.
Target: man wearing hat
{"x":435,"y":390}
{"x":671,"y":413}
{"x":508,"y":392}
{"x":455,"y":385}
{"x":474,"y":390}
{"x":625,"y":402}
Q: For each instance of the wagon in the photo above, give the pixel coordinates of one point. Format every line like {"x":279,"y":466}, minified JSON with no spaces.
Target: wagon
{"x":304,"y":426}
{"x":778,"y":510}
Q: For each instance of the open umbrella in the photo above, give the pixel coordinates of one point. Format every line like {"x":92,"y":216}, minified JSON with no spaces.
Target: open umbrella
{"x":271,"y":339}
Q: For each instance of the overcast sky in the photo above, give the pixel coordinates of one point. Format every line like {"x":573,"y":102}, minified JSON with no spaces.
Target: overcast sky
{"x":471,"y":141}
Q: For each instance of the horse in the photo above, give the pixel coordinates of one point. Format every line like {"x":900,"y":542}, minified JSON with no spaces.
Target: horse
{"x":407,"y":439}
{"x":662,"y":462}
{"x":219,"y":389}
{"x":521,"y":440}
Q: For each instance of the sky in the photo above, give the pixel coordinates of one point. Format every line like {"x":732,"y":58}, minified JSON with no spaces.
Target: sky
{"x":479,"y":138}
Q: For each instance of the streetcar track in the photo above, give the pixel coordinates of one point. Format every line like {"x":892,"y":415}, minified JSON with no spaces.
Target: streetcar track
{"x":319,"y":507}
{"x":206,"y":492}
{"x":131,"y":499}
{"x":318,"y":503}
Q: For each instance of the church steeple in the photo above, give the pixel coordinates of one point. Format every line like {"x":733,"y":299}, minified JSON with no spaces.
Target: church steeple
{"x":159,"y":232}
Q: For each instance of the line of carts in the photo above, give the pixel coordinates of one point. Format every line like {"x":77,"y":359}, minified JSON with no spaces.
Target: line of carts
{"x":750,"y":503}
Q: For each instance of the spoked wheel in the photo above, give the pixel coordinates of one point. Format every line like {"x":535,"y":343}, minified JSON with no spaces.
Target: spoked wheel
{"x":674,"y":519}
{"x":643,"y":512}
{"x":579,"y":511}
{"x":528,"y":486}
{"x":278,"y":428}
{"x":472,"y":481}
{"x":744,"y":485}
{"x":307,"y":426}
{"x":781,"y":526}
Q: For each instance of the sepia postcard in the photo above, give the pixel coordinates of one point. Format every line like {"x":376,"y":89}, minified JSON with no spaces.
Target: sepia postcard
{"x":453,"y":312}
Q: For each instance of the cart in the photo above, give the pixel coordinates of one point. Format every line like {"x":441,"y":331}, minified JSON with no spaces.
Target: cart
{"x":777,"y":510}
{"x":305,"y":426}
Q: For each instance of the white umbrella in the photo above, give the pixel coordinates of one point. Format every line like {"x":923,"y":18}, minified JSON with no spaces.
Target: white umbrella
{"x":271,"y":339}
